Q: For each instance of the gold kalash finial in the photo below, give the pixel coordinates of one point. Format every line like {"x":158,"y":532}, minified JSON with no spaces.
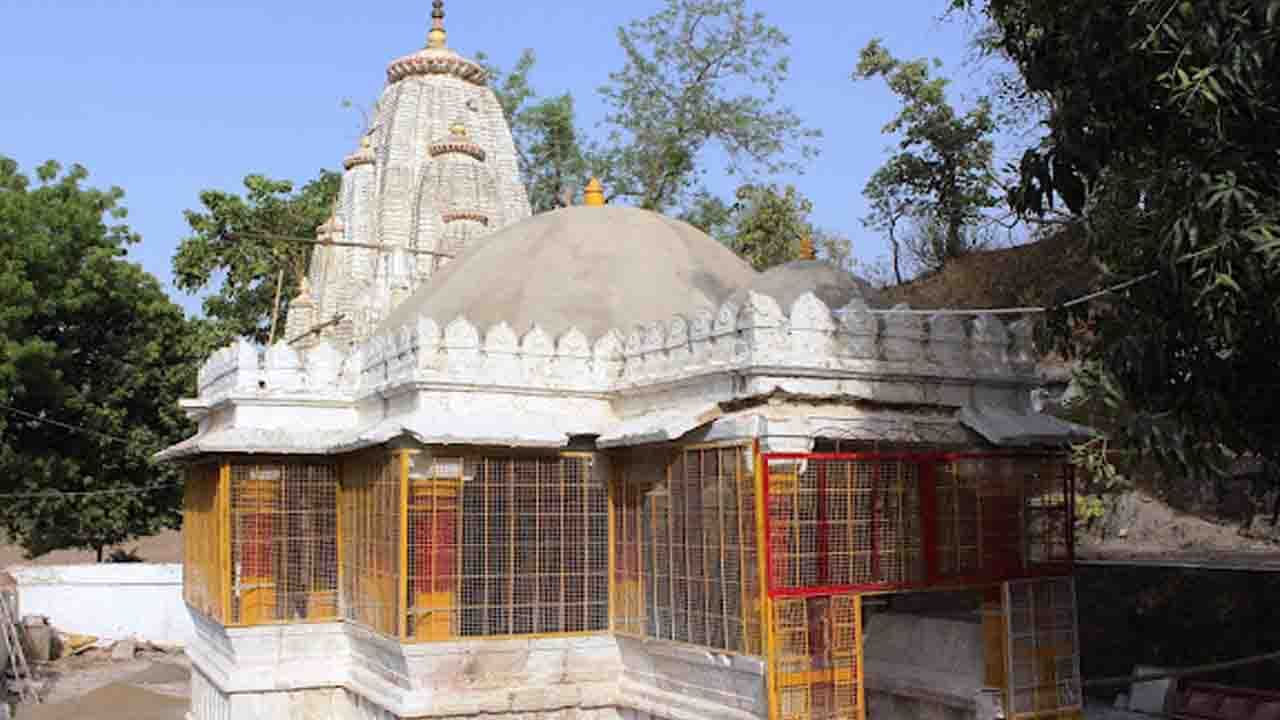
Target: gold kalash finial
{"x":807,"y":250}
{"x":593,"y":196}
{"x":437,"y":37}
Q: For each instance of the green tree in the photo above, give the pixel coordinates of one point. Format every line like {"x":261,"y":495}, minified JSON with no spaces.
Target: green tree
{"x":943,"y":174}
{"x":834,"y":248}
{"x":699,"y":74}
{"x":93,"y":359}
{"x":242,"y":245}
{"x":555,"y":166}
{"x":769,"y":224}
{"x":1162,"y":143}
{"x":892,"y":209}
{"x":710,"y":214}
{"x":556,"y":159}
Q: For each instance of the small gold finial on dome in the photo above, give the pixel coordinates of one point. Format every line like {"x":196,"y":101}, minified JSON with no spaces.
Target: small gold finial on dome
{"x":437,"y":37}
{"x":807,"y":251}
{"x":593,"y":196}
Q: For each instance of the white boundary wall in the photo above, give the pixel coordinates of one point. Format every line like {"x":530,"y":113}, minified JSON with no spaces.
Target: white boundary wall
{"x":113,"y":601}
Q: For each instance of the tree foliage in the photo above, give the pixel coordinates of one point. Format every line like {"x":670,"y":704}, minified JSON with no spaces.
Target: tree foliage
{"x":556,"y":158}
{"x":1162,"y":142}
{"x":93,"y":359}
{"x":698,"y":74}
{"x":239,"y":244}
{"x":768,"y":224}
{"x":942,"y":178}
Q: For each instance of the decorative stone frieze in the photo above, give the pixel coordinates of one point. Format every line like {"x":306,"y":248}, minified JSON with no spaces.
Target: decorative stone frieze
{"x":757,"y":336}
{"x":901,"y":335}
{"x":948,"y":341}
{"x":990,"y":344}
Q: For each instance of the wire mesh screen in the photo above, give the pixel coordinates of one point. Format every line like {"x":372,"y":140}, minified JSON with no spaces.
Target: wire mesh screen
{"x":1000,"y":517}
{"x":284,"y":561}
{"x":630,"y":550}
{"x":507,"y":546}
{"x":370,"y":531}
{"x":815,"y":662}
{"x":686,"y":564}
{"x":1050,"y":513}
{"x":1042,"y":653}
{"x":204,"y":580}
{"x":843,"y":523}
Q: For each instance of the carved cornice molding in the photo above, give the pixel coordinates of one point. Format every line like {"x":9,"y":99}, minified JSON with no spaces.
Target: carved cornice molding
{"x":437,"y":62}
{"x":456,"y":146}
{"x":454,"y":216}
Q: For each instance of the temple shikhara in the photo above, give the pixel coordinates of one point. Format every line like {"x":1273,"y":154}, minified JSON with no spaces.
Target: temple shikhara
{"x":591,"y":465}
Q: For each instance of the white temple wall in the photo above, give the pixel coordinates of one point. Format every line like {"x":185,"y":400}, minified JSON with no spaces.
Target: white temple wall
{"x":281,"y":671}
{"x":683,"y":682}
{"x":314,"y":416}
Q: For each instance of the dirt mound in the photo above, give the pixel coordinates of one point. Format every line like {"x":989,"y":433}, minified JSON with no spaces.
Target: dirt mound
{"x":1046,"y":272}
{"x":1138,"y":525}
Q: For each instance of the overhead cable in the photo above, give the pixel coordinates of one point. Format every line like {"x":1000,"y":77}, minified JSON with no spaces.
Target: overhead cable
{"x":56,"y":494}
{"x":64,"y":426}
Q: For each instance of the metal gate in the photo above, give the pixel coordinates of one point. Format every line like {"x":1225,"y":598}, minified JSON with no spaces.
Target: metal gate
{"x":817,"y":658}
{"x":839,"y":526}
{"x":1043,"y":649}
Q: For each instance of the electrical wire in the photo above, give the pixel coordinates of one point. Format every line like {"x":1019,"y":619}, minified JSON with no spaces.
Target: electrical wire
{"x":1183,"y":673}
{"x":55,"y":494}
{"x":1030,"y":310}
{"x":64,"y":426}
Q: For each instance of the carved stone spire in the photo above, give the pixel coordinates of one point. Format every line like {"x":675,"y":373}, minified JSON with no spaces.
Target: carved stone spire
{"x":437,"y":37}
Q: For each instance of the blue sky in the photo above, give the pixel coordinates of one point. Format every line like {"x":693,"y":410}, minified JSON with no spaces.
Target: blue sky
{"x":165,"y":98}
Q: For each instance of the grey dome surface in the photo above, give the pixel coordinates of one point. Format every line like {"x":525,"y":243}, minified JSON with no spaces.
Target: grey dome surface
{"x":593,"y":268}
{"x":833,"y":286}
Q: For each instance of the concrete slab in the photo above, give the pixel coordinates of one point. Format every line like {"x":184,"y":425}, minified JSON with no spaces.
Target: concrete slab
{"x":1149,"y":697}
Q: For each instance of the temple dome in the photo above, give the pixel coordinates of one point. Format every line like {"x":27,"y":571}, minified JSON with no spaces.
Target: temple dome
{"x":593,"y":268}
{"x":833,"y":286}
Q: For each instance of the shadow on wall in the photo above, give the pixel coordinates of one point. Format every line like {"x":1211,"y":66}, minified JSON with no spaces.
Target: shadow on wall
{"x":1172,"y":617}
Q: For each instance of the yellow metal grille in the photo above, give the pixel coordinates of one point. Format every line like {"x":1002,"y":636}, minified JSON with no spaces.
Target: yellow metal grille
{"x":837,"y":523}
{"x":685,"y":567}
{"x":815,"y":662}
{"x":506,"y":546}
{"x":204,"y":579}
{"x":629,"y":551}
{"x":1043,"y":657}
{"x":369,"y":512}
{"x":283,"y":542}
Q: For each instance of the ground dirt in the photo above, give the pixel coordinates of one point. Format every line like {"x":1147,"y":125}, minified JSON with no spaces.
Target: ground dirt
{"x":163,"y":548}
{"x":155,"y":685}
{"x":1141,"y":528}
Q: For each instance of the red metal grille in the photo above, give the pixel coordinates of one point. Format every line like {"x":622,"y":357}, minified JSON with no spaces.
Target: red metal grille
{"x":844,"y":523}
{"x":839,"y":523}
